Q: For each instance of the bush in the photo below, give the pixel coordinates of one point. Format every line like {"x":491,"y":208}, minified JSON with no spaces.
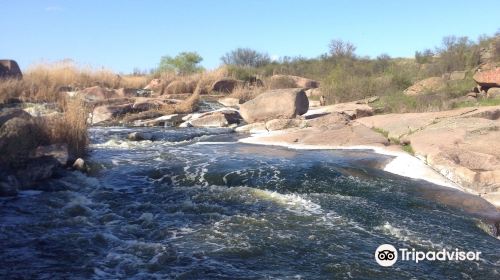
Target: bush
{"x":246,"y":57}
{"x":183,"y":64}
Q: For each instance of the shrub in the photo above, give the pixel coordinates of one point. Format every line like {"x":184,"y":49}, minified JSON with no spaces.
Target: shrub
{"x":183,"y":64}
{"x":245,"y":57}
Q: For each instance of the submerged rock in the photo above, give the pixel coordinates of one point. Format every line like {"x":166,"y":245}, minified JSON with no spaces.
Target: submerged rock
{"x":140,"y":136}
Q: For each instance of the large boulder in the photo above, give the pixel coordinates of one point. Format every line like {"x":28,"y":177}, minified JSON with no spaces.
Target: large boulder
{"x":9,"y":113}
{"x":289,"y":81}
{"x":428,"y":85}
{"x":57,"y":151}
{"x":220,"y":118}
{"x":226,"y":85}
{"x":10,"y":69}
{"x":489,"y":78}
{"x":106,"y":113}
{"x":18,"y":137}
{"x":275,"y":104}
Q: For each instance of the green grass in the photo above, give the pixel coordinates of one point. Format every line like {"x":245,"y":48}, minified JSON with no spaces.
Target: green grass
{"x":480,"y":102}
{"x":409,"y":149}
{"x":381,"y":131}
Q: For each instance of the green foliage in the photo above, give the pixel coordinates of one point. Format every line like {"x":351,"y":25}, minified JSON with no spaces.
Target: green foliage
{"x":424,"y":57}
{"x":242,"y":73}
{"x":246,"y":57}
{"x":458,"y":53}
{"x":409,"y":149}
{"x":182,"y":64}
{"x":480,"y":102}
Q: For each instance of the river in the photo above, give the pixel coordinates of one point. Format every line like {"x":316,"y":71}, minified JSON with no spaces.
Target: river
{"x":196,"y":204}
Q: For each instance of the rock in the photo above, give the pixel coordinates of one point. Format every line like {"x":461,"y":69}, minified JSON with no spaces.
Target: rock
{"x":428,"y":85}
{"x":221,"y":118}
{"x":9,"y":113}
{"x":350,"y":109}
{"x":80,"y":165}
{"x":9,"y":185}
{"x":226,"y":85}
{"x":275,"y":104}
{"x":127,"y":92}
{"x":37,"y":170}
{"x":167,"y":120}
{"x":471,"y":94}
{"x":179,"y":87}
{"x":332,"y":120}
{"x":106,"y":113}
{"x":146,"y":104}
{"x":18,"y":137}
{"x":229,"y":102}
{"x":457,"y":75}
{"x":57,"y":151}
{"x":97,"y":93}
{"x":488,"y":78}
{"x":40,"y":110}
{"x":279,"y":124}
{"x":140,"y":136}
{"x":289,"y":81}
{"x":313,"y":92}
{"x":460,"y":144}
{"x":257,"y":127}
{"x":155,"y":85}
{"x":10,"y":69}
{"x":342,"y":135}
{"x":367,"y":100}
{"x":493,"y":93}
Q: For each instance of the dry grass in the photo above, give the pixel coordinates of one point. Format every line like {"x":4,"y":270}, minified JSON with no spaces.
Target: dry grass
{"x":69,"y":128}
{"x":245,"y":94}
{"x":44,"y":82}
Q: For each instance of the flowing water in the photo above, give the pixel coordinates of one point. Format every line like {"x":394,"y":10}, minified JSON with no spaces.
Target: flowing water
{"x":195,"y":204}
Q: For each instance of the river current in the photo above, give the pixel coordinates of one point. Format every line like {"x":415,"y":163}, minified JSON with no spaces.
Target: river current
{"x":196,"y":204}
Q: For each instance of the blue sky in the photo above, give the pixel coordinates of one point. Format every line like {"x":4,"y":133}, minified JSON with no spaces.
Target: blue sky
{"x":124,"y":34}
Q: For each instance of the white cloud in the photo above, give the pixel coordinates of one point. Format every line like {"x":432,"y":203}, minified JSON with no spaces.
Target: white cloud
{"x":275,"y":57}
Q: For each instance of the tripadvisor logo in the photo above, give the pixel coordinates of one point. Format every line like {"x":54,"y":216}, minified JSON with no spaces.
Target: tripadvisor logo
{"x":387,"y":255}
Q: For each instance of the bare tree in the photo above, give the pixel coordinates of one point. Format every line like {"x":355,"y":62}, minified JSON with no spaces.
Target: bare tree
{"x":246,"y":57}
{"x":339,"y":48}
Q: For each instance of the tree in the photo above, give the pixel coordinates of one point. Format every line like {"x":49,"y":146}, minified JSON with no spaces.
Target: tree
{"x":246,"y":57}
{"x":183,"y":63}
{"x":341,"y":49}
{"x":424,"y":57}
{"x":458,"y":53}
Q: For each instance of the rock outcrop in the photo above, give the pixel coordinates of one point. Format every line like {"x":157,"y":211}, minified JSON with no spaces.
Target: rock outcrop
{"x":10,"y":69}
{"x":275,"y":104}
{"x":461,"y":144}
{"x":488,"y":78}
{"x":226,"y":85}
{"x":428,"y":85}
{"x":289,"y":81}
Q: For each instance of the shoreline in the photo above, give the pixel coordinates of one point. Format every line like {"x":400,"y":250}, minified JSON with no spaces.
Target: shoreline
{"x":402,"y":164}
{"x":406,"y":165}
